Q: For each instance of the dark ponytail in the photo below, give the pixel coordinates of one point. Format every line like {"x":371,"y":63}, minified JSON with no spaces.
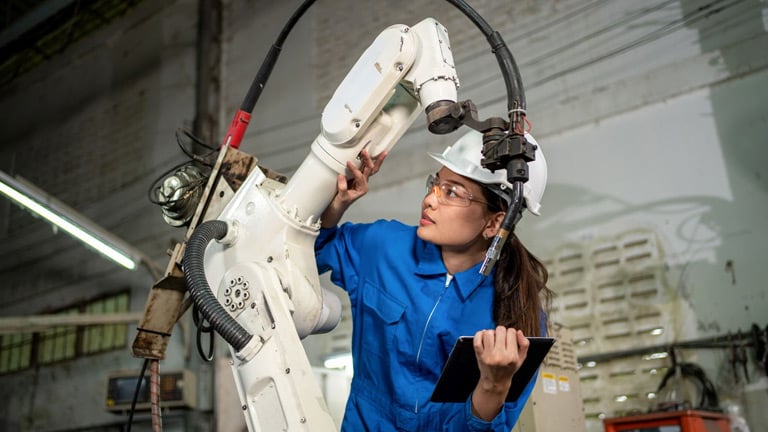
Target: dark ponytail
{"x":520,"y":282}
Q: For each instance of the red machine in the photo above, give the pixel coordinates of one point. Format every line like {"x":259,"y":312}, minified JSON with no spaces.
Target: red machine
{"x":673,"y":421}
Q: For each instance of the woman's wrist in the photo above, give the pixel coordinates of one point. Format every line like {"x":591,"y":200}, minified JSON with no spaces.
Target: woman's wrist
{"x":332,"y":214}
{"x":491,"y":387}
{"x":488,"y":398}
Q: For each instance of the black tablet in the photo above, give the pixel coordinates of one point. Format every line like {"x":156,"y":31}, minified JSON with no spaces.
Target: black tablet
{"x":460,"y":374}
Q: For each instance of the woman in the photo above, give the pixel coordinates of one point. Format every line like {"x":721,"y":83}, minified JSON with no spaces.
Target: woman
{"x":414,"y":290}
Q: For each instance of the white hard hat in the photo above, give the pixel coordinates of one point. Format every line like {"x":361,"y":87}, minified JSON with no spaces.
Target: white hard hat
{"x":463,"y":158}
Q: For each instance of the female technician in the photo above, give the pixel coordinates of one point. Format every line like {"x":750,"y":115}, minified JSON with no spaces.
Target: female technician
{"x":415,"y":290}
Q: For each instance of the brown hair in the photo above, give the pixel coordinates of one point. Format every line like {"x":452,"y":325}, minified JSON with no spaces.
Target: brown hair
{"x":520,"y":282}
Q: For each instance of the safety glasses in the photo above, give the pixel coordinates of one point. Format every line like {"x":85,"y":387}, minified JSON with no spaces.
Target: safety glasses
{"x":450,"y":193}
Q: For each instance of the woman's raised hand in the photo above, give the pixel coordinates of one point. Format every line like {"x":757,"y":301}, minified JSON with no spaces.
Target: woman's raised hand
{"x":350,"y":190}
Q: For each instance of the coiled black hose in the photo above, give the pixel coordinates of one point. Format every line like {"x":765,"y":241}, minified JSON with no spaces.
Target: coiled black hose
{"x":194,"y":274}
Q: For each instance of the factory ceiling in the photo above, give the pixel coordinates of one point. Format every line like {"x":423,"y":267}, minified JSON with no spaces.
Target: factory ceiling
{"x":35,"y":31}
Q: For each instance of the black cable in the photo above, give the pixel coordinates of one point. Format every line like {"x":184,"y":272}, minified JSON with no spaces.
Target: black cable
{"x":520,"y":31}
{"x":189,"y":189}
{"x":193,"y":186}
{"x":513,"y":83}
{"x":152,"y":186}
{"x":708,"y":399}
{"x":517,"y":34}
{"x":203,"y":159}
{"x":702,"y":12}
{"x":198,"y":323}
{"x":202,"y":328}
{"x":509,"y":70}
{"x":197,"y":140}
{"x":136,"y":394}
{"x":588,"y":37}
{"x":199,"y":342}
{"x":473,"y":16}
{"x":647,"y":38}
{"x":515,"y":92}
{"x":197,"y":284}
{"x":254,"y":92}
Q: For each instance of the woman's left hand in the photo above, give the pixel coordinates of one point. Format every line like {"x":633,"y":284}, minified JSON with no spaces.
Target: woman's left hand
{"x":500,"y":353}
{"x":350,"y":190}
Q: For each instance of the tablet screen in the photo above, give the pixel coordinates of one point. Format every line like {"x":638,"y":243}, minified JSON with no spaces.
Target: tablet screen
{"x":460,"y":374}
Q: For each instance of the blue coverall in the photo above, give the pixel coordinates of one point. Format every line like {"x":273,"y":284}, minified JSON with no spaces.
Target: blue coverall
{"x":407,"y":313}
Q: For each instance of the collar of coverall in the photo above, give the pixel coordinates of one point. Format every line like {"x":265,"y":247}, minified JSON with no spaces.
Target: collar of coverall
{"x":430,"y":263}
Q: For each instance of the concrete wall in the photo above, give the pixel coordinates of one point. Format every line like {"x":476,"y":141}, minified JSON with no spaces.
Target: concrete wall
{"x":93,"y":127}
{"x":652,"y":117}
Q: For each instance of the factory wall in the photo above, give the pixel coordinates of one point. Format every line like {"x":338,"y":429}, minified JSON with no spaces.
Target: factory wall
{"x":93,"y":127}
{"x":651,"y":116}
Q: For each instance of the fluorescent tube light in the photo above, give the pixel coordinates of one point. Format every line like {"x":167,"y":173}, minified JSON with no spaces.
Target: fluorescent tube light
{"x":339,"y":361}
{"x":67,"y":219}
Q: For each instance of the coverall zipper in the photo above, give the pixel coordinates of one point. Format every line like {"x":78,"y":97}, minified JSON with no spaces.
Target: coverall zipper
{"x":448,"y":278}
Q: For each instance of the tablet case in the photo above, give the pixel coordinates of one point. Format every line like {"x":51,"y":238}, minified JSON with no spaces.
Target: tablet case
{"x":460,"y":374}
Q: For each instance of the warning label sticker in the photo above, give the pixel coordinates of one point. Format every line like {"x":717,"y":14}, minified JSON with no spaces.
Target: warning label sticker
{"x":549,"y":382}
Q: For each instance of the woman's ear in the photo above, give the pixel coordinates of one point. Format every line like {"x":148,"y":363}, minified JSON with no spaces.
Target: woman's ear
{"x":493,"y":225}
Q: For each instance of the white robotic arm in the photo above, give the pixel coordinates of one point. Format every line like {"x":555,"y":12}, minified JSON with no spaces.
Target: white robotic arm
{"x":404,"y":69}
{"x":264,"y":268}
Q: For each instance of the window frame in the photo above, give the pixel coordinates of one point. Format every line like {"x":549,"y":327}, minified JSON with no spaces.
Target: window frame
{"x":73,"y":338}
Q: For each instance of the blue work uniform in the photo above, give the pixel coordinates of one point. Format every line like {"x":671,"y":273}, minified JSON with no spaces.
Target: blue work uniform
{"x":407,"y":313}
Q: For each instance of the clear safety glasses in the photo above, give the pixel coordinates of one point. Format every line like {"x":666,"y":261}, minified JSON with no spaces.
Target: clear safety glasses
{"x":450,"y":193}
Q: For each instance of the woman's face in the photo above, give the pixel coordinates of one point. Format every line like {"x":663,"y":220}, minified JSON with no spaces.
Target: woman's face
{"x":452,"y":226}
